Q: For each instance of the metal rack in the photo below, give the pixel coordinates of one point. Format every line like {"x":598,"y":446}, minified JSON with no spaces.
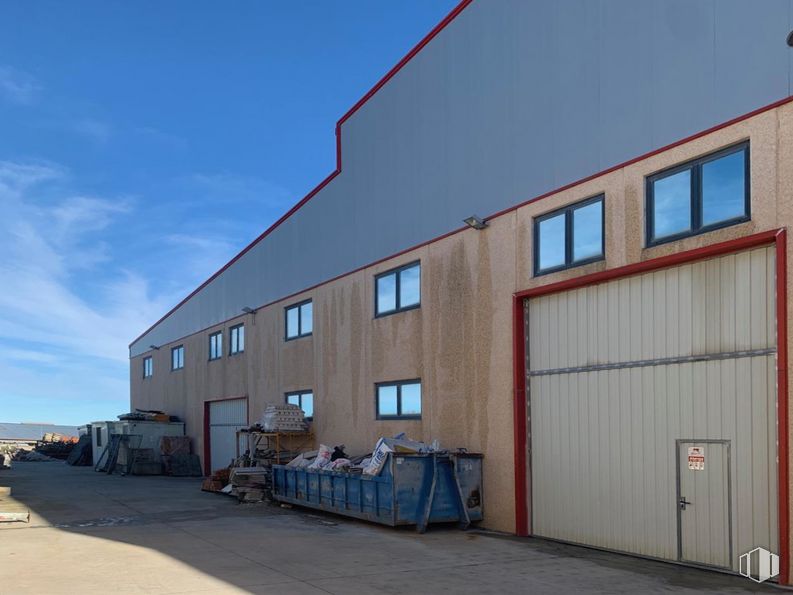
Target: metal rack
{"x":277,"y":442}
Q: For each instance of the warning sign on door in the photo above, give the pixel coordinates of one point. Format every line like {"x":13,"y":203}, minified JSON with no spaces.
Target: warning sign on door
{"x":696,"y":458}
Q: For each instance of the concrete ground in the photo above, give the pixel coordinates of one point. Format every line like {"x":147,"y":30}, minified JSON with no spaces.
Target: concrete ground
{"x":94,"y":533}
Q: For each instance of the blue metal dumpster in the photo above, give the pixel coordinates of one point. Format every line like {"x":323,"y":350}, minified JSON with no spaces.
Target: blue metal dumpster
{"x":412,"y":489}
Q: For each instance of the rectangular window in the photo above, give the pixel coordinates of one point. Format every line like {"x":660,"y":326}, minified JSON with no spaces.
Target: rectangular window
{"x":398,"y":289}
{"x":177,"y":357}
{"x":299,"y":320}
{"x":148,"y":367}
{"x":303,"y":399}
{"x":569,"y":237}
{"x":698,"y":196}
{"x":398,"y":400}
{"x":237,"y":339}
{"x":216,"y":345}
{"x":99,"y":436}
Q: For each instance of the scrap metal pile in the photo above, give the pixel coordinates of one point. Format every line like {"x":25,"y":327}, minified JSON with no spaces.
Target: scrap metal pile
{"x":52,"y":447}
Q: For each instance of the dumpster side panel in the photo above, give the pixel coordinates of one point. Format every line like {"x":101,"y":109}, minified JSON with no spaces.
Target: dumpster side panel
{"x":469,"y":474}
{"x":364,"y":497}
{"x":398,"y":496}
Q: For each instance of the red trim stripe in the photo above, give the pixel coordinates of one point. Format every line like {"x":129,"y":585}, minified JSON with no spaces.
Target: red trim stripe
{"x":782,"y":406}
{"x":777,"y":237}
{"x":758,"y":239}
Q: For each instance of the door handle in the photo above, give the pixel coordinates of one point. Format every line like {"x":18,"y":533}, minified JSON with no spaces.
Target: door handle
{"x":683,"y":503}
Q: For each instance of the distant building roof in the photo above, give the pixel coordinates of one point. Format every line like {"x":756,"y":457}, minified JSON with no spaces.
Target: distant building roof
{"x":11,"y":431}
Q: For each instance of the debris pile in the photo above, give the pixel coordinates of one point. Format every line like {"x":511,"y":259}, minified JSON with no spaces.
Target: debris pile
{"x":57,"y":447}
{"x":217,"y":481}
{"x":251,"y":484}
{"x":31,"y":456}
{"x":147,"y":415}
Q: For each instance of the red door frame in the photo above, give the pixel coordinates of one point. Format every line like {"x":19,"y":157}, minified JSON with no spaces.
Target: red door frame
{"x":207,"y":451}
{"x":521,"y":419}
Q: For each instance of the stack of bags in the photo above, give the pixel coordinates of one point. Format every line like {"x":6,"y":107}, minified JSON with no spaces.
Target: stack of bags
{"x":283,"y":418}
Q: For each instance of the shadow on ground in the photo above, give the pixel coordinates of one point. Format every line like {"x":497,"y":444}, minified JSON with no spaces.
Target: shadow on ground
{"x":94,"y":533}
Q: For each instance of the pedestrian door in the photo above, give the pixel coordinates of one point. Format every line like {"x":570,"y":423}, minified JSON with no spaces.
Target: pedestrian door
{"x":703,"y":502}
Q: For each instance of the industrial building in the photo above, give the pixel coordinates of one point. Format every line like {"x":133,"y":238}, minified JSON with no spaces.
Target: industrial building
{"x":609,"y":327}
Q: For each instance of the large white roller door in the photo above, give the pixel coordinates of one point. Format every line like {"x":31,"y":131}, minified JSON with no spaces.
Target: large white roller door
{"x":624,"y":378}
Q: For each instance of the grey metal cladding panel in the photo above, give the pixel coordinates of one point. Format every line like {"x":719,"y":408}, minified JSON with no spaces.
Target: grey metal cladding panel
{"x":625,"y":109}
{"x":744,"y":63}
{"x":511,"y":100}
{"x":681,"y":37}
{"x":575,"y":85}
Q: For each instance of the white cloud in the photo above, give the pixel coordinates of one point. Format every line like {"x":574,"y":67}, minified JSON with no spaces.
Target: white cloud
{"x":69,"y":305}
{"x":49,"y":243}
{"x":161,"y":137}
{"x":96,"y":130}
{"x":18,"y":87}
{"x":251,"y":191}
{"x":200,"y":255}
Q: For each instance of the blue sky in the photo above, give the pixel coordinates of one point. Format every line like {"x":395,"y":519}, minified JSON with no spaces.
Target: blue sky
{"x":143,"y":144}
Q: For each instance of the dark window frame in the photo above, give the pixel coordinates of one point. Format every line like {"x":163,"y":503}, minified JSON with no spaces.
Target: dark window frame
{"x":399,"y":384}
{"x":569,"y":239}
{"x":98,"y":437}
{"x":397,"y":287}
{"x":173,"y":350}
{"x":148,"y":359}
{"x":236,"y":327}
{"x":300,"y":334}
{"x":209,"y":346}
{"x":695,"y":199}
{"x":301,"y":394}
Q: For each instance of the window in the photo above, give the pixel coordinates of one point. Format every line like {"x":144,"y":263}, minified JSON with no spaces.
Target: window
{"x":177,"y":357}
{"x":569,"y":237}
{"x":237,"y":339}
{"x":304,"y":400}
{"x":397,"y":290}
{"x":399,"y":400}
{"x":698,"y":196}
{"x":99,"y":436}
{"x":148,"y":367}
{"x":216,"y":345}
{"x":299,"y":320}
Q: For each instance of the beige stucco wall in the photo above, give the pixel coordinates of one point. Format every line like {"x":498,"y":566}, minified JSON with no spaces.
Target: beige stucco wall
{"x":460,"y":341}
